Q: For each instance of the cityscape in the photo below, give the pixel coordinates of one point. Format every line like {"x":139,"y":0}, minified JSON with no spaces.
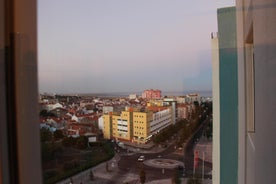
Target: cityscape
{"x":137,"y":92}
{"x":92,"y":139}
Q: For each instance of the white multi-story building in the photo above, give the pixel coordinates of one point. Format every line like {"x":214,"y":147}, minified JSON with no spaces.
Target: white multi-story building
{"x":181,"y":99}
{"x":182,"y":111}
{"x":161,"y":119}
{"x":194,"y":97}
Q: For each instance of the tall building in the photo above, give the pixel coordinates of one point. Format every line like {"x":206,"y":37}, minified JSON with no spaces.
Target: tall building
{"x":107,"y":125}
{"x":216,"y":109}
{"x":151,"y":94}
{"x":256,"y":36}
{"x":141,"y":126}
{"x":244,"y":94}
{"x":228,"y":95}
{"x":173,"y":104}
{"x":225,"y":98}
{"x":225,"y":90}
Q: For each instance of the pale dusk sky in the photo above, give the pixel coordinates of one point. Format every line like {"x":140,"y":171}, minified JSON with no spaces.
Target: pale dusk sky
{"x":103,"y":46}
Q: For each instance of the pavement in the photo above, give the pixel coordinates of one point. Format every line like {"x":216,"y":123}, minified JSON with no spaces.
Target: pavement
{"x":205,"y":145}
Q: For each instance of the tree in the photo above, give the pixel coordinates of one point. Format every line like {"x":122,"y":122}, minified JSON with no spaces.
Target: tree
{"x":193,"y":181}
{"x":50,"y":151}
{"x":91,"y":175}
{"x":106,"y":167}
{"x":68,"y":141}
{"x":82,"y":142}
{"x":142,"y":176}
{"x":176,"y":179}
{"x":58,"y":134}
{"x":44,"y":113}
{"x":45,"y":135}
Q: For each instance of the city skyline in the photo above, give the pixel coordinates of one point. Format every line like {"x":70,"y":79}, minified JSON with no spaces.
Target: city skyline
{"x":123,"y":46}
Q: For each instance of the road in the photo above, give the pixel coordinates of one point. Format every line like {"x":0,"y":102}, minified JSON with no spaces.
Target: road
{"x":189,"y":149}
{"x":128,"y":164}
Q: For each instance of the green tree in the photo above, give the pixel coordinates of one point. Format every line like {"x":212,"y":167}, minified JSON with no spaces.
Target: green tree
{"x":50,"y":151}
{"x":142,"y":176}
{"x":82,"y":142}
{"x":45,"y":135}
{"x":193,"y":181}
{"x":44,"y":113}
{"x":68,"y":141}
{"x":58,"y":134}
{"x":71,"y":181}
{"x":91,"y":175}
{"x":106,"y":167}
{"x":176,"y":178}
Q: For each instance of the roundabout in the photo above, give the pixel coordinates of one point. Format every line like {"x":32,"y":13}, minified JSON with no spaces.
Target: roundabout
{"x":163,"y":163}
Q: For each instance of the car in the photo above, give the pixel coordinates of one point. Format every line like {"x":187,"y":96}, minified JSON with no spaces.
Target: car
{"x":141,"y":158}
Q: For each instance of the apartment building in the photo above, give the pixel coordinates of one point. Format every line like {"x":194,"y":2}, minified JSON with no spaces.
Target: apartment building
{"x":141,"y":126}
{"x":256,"y":42}
{"x":122,"y":126}
{"x":107,"y":125}
{"x":151,"y":94}
{"x":193,"y":97}
{"x":244,"y":88}
{"x":162,"y":117}
{"x":136,"y":125}
{"x":183,"y":111}
{"x":227,"y":169}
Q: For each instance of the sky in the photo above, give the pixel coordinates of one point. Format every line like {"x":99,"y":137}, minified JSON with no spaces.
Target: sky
{"x":106,"y":46}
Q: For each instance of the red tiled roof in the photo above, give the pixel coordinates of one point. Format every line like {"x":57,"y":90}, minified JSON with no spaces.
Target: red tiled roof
{"x":156,"y":108}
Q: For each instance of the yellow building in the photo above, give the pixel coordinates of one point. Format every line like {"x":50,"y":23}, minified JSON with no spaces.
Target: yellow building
{"x":135,"y":125}
{"x":155,"y":103}
{"x":118,"y":125}
{"x":122,"y":126}
{"x":107,"y":128}
{"x":141,"y":126}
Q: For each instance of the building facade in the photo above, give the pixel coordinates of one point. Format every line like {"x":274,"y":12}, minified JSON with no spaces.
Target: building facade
{"x":216,"y":109}
{"x":136,"y":125}
{"x":183,"y":111}
{"x":256,"y":42}
{"x":228,"y":75}
{"x":225,"y":87}
{"x":151,"y":94}
{"x":244,"y":89}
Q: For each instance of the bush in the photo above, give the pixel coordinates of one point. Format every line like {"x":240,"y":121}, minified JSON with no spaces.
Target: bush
{"x":68,"y":141}
{"x":82,"y":142}
{"x":50,"y":173}
{"x":58,"y":134}
{"x":102,"y":154}
{"x":45,"y":135}
{"x":70,"y":165}
{"x":193,"y":181}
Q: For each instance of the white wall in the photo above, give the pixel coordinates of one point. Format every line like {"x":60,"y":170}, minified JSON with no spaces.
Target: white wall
{"x":257,"y":161}
{"x":216,"y":111}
